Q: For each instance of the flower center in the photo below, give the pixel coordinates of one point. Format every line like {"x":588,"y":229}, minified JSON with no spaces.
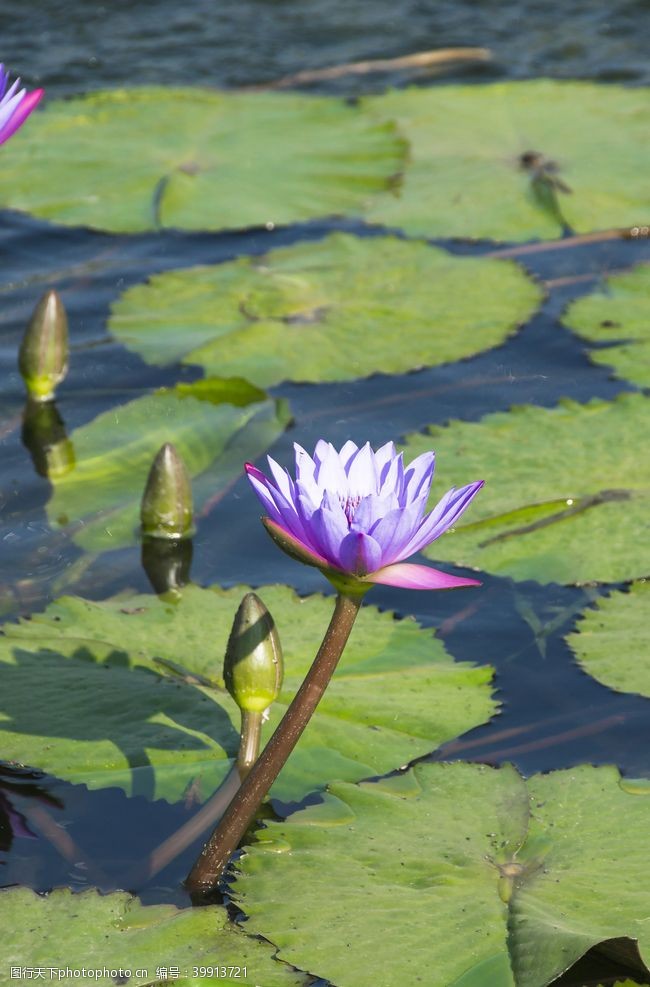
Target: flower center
{"x":349,"y":505}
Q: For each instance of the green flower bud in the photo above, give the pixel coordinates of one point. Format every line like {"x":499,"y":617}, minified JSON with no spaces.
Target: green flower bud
{"x":166,"y":510}
{"x":43,"y":356}
{"x":253,"y":668}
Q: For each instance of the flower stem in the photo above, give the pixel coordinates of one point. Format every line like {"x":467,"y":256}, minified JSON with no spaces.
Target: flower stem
{"x":216,"y":853}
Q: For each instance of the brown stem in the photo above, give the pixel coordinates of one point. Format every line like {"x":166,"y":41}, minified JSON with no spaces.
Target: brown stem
{"x":217,"y":851}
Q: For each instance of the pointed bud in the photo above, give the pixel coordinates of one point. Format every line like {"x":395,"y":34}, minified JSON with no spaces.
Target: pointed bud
{"x":253,"y":667}
{"x":166,"y":510}
{"x":43,"y":356}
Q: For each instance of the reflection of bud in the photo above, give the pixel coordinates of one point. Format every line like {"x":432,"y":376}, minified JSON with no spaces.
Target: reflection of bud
{"x":167,"y":563}
{"x":43,"y":356}
{"x":44,"y":435}
{"x":166,"y":510}
{"x":253,"y":668}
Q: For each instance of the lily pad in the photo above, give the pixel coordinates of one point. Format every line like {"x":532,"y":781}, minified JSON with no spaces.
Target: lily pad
{"x":197,"y":159}
{"x":618,"y":315}
{"x":107,"y":934}
{"x":455,"y":874}
{"x":215,"y":425}
{"x":611,"y":641}
{"x":341,"y":308}
{"x":567,"y":495}
{"x":105,"y":716}
{"x":518,"y":160}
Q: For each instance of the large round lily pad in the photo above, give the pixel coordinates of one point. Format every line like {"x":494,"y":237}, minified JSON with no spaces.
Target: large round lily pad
{"x":216,"y":425}
{"x":88,"y":938}
{"x":567,"y":493}
{"x":617,"y":317}
{"x":341,"y":308}
{"x":141,"y":159}
{"x":454,"y":874}
{"x":103,"y":715}
{"x":518,"y":160}
{"x":611,"y":641}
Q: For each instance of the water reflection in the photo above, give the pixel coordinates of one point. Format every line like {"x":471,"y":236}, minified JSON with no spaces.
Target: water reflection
{"x":44,"y":436}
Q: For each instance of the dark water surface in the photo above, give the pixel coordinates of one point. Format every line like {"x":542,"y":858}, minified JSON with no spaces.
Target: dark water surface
{"x":552,"y":714}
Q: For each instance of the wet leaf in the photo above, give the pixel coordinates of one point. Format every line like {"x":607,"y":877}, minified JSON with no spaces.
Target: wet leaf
{"x":197,"y":159}
{"x":617,"y":316}
{"x":477,"y":877}
{"x":341,"y":308}
{"x":567,"y":495}
{"x":216,"y":425}
{"x":104,"y":716}
{"x":611,"y":640}
{"x":113,"y":933}
{"x":518,"y":160}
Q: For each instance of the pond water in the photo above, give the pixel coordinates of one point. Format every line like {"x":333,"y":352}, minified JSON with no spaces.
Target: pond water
{"x":552,"y":714}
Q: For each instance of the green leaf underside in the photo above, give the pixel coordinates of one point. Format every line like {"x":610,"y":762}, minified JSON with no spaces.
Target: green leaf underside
{"x":337,"y":309}
{"x":216,"y":425}
{"x":465,"y":176}
{"x":567,"y":494}
{"x":102,"y":717}
{"x":197,"y":159}
{"x":618,"y":314}
{"x":611,"y":641}
{"x":73,"y":932}
{"x":418,"y":872}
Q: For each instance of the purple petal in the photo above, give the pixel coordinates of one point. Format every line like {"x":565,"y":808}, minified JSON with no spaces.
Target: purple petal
{"x":393,"y":479}
{"x":29,"y":103}
{"x":359,"y":553}
{"x":280,"y":509}
{"x":305,"y":465}
{"x":283,"y":481}
{"x":442,"y":517}
{"x":396,"y":529}
{"x":369,"y":512}
{"x":409,"y":576}
{"x":362,"y":478}
{"x":328,"y":527}
{"x":4,"y":78}
{"x":293,"y":546}
{"x":418,"y":476}
{"x":261,"y":485}
{"x":330,"y":474}
{"x":348,"y":450}
{"x":383,"y":459}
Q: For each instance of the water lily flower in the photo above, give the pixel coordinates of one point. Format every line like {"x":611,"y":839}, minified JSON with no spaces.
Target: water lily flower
{"x":15,"y":105}
{"x":357,"y":514}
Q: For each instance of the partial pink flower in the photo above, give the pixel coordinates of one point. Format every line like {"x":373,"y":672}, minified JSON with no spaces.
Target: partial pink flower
{"x":15,"y":105}
{"x":357,"y":514}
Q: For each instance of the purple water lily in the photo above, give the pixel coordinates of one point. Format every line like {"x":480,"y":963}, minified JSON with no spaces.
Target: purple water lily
{"x":357,"y":514}
{"x":15,"y":105}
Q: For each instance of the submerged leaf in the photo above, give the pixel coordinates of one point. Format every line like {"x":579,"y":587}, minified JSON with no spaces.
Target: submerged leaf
{"x":341,"y":308}
{"x":567,"y":495}
{"x":197,"y":159}
{"x":478,"y":878}
{"x":518,"y":160}
{"x":611,"y":640}
{"x":104,"y":718}
{"x":215,"y":425}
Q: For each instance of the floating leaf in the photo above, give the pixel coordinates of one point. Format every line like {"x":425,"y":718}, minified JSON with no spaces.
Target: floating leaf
{"x":107,"y":934}
{"x":341,"y":308}
{"x":104,"y":718}
{"x":611,"y":641}
{"x":471,"y":875}
{"x":214,"y":424}
{"x":567,"y":496}
{"x":518,"y":160}
{"x":617,"y":314}
{"x":197,"y":159}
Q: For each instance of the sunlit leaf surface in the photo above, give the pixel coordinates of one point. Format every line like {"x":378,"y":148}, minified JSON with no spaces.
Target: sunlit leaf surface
{"x":567,"y":493}
{"x":341,"y":308}
{"x":216,"y":425}
{"x":467,"y":873}
{"x":142,"y":159}
{"x":518,"y":160}
{"x":611,"y":640}
{"x":617,"y":318}
{"x":105,"y":716}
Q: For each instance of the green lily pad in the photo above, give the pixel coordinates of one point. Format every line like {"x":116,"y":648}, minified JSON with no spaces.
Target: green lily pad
{"x":567,"y":495}
{"x":611,"y":641}
{"x":458,"y":875}
{"x":617,"y":314}
{"x":141,"y":159}
{"x":518,"y":160}
{"x":215,"y":425}
{"x":107,"y":934}
{"x":341,"y":308}
{"x":104,"y":717}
